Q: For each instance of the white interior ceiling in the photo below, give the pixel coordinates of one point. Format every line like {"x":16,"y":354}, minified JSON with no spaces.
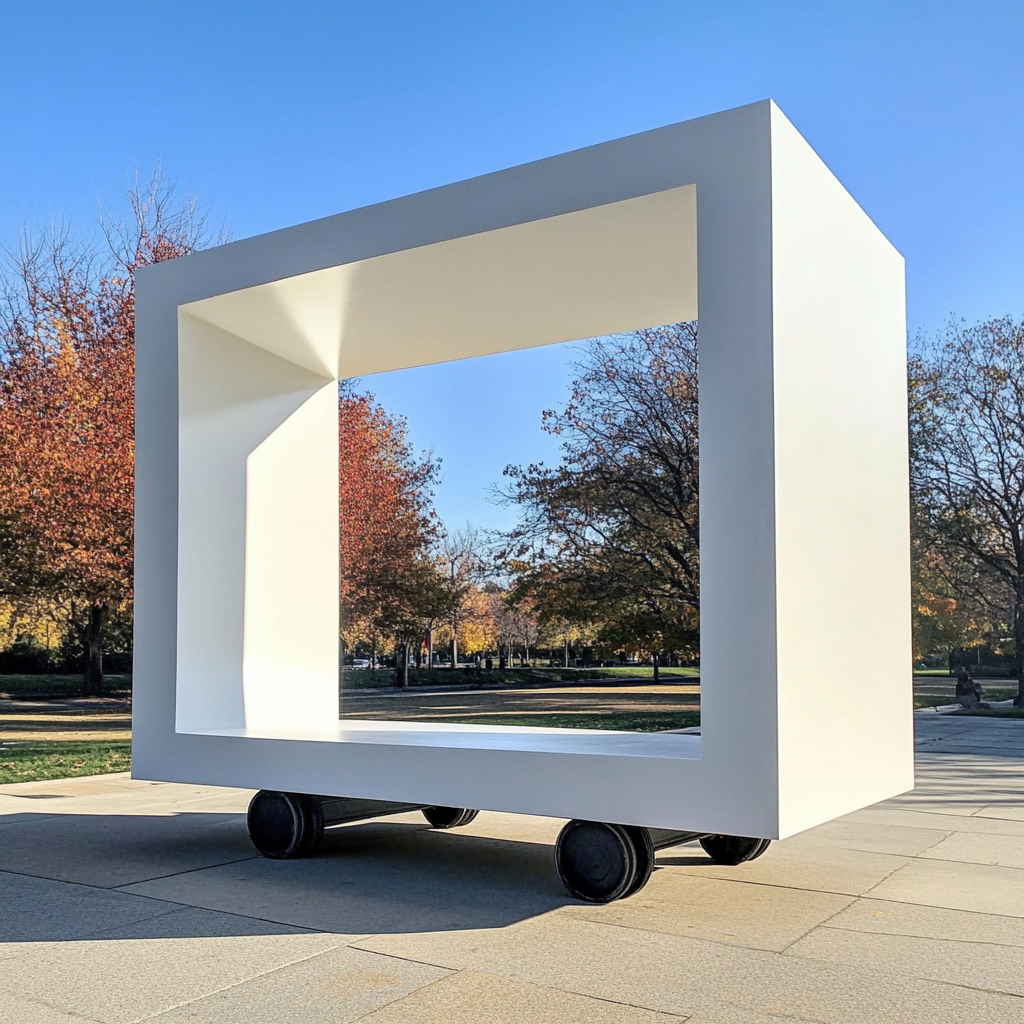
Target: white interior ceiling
{"x":603,"y":270}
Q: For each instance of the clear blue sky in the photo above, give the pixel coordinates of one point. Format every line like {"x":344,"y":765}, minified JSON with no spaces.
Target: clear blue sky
{"x":282,"y":112}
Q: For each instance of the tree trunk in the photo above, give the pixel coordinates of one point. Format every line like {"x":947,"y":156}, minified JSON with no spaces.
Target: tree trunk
{"x":93,"y":650}
{"x":373,"y":658}
{"x":455,"y":651}
{"x":655,"y":657}
{"x":403,"y":672}
{"x":1018,"y":639}
{"x":566,"y":653}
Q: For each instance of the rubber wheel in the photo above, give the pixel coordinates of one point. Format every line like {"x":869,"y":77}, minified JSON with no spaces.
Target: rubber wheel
{"x":734,"y":850}
{"x":283,"y":826}
{"x":596,"y":862}
{"x":643,"y":846}
{"x":449,"y":817}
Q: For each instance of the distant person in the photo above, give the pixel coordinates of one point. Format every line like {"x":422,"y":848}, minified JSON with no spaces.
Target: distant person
{"x":968,"y":692}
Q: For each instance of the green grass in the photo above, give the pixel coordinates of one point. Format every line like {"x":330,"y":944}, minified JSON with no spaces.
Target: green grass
{"x":57,"y":685}
{"x":63,"y":759}
{"x":626,"y":721}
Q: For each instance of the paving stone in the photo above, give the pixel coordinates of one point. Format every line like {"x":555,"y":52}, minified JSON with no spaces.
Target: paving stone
{"x":981,"y":965}
{"x":339,"y":985}
{"x":971,"y":848}
{"x":34,"y":910}
{"x":982,"y":889}
{"x":112,"y":850}
{"x":898,"y":840}
{"x":381,"y":877}
{"x":797,"y":865}
{"x":134,"y":972}
{"x":882,"y":814}
{"x":736,"y":913}
{"x":686,"y":976}
{"x":476,"y":997}
{"x":887,"y":918}
{"x":25,"y":1011}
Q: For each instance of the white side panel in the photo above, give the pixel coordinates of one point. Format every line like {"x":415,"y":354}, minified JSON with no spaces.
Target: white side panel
{"x":290,"y":661}
{"x":841,"y":498}
{"x":234,"y":399}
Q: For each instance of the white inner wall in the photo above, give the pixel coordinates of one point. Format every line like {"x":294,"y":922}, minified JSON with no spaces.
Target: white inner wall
{"x":258,"y":460}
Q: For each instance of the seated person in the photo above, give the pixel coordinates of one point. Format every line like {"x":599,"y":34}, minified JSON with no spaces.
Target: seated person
{"x":968,"y":692}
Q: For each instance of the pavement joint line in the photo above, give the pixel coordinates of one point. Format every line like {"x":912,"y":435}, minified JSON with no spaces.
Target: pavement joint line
{"x":172,"y":903}
{"x":800,"y":888}
{"x":972,"y":988}
{"x":429,"y":984}
{"x":189,"y":871}
{"x":75,"y":1015}
{"x":820,"y":924}
{"x":930,"y":938}
{"x":554,"y":988}
{"x":245,"y":981}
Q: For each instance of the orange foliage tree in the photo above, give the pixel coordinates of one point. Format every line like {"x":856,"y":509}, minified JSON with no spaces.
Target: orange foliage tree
{"x":67,"y":413}
{"x":389,"y":584}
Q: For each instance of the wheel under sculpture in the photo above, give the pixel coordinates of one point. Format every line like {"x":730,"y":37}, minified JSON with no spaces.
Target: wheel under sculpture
{"x":596,"y":861}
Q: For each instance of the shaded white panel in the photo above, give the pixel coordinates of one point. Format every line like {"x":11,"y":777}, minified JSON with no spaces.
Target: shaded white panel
{"x":232,"y":398}
{"x":841,"y":496}
{"x":290,"y":661}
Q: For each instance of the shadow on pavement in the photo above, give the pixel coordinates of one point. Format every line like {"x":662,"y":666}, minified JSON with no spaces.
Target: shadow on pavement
{"x":77,"y":876}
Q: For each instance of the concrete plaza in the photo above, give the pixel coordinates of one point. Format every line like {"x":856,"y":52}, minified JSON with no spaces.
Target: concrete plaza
{"x":130,"y":901}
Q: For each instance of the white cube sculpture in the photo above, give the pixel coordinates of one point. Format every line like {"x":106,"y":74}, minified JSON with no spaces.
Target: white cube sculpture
{"x":805,"y":623}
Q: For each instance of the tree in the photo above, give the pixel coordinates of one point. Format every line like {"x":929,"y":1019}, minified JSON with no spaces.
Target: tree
{"x":462,"y":562}
{"x":611,"y":534}
{"x":967,"y":466}
{"x":389,"y":583}
{"x":67,"y":334}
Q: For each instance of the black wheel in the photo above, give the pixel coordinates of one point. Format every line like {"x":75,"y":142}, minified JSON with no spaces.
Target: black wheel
{"x":733,"y":850}
{"x":643,"y":845}
{"x":449,"y":817}
{"x":285,"y":825}
{"x":596,"y":862}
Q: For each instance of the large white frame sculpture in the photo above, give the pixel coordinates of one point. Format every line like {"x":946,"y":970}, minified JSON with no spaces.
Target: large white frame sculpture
{"x":805,"y":625}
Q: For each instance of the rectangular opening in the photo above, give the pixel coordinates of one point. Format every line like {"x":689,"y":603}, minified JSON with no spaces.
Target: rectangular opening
{"x":519,"y":539}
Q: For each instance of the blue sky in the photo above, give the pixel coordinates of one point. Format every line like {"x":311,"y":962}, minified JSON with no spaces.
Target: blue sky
{"x":282,"y":112}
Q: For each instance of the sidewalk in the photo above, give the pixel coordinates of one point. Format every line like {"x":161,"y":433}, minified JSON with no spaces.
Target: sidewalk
{"x":128,"y":901}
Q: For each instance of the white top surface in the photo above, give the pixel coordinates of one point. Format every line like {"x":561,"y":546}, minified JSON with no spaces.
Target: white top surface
{"x":486,"y":737}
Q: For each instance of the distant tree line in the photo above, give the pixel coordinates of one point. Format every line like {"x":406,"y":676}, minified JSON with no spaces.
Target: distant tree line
{"x":605,"y":557}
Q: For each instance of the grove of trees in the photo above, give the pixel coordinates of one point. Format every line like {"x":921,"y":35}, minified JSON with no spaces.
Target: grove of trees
{"x":605,"y":556}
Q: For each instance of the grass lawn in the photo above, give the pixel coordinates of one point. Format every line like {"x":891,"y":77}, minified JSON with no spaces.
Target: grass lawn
{"x":57,"y":686}
{"x":63,"y":759}
{"x":626,"y":721}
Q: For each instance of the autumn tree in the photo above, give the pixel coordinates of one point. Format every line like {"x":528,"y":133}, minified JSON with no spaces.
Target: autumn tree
{"x":463,"y":561}
{"x":390,"y":586}
{"x":967,"y":446}
{"x":610,"y":536}
{"x":67,"y":332}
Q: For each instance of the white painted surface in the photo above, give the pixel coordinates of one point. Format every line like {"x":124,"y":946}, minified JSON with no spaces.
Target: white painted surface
{"x":799,"y":293}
